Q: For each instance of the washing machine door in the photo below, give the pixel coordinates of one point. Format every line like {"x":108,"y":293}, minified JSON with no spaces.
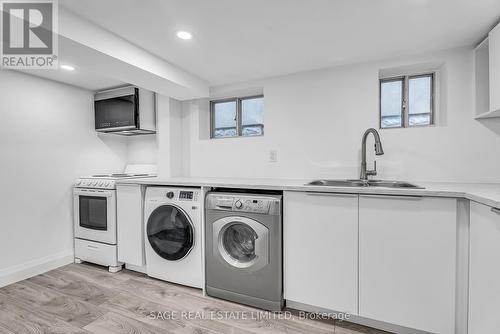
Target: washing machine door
{"x":241,"y":242}
{"x":170,"y":232}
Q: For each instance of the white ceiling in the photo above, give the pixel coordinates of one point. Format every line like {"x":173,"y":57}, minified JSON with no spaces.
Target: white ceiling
{"x":80,"y":78}
{"x":237,"y":40}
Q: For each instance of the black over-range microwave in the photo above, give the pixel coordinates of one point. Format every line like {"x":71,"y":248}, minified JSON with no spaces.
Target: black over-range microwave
{"x":125,"y":111}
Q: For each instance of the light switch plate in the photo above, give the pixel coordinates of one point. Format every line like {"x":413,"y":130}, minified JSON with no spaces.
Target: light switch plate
{"x":273,"y":156}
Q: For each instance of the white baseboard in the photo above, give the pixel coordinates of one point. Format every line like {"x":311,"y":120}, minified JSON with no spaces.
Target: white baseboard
{"x":32,"y":268}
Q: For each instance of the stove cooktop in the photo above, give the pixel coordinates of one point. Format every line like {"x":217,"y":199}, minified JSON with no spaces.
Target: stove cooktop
{"x":119,"y":175}
{"x":106,"y":181}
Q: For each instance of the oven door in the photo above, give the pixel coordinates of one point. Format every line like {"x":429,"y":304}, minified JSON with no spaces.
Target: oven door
{"x":95,"y":215}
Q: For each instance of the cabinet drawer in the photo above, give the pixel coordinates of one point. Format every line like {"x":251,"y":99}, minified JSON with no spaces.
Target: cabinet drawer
{"x":95,"y":252}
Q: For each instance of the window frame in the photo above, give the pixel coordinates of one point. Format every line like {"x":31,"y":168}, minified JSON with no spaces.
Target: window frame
{"x":405,"y":87}
{"x":392,"y":79}
{"x":239,"y":125}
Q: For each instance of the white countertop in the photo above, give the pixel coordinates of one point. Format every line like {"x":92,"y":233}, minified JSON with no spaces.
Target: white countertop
{"x":485,"y":193}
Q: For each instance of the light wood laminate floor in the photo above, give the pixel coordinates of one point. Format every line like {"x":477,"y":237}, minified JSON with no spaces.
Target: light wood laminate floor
{"x":83,"y":298}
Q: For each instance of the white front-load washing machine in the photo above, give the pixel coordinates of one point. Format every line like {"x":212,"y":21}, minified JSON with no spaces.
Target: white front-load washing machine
{"x":172,"y":231}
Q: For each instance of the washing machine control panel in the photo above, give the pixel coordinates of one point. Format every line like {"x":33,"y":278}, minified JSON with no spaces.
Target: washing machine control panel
{"x":188,"y":195}
{"x":255,"y":205}
{"x":182,"y":195}
{"x":243,"y":204}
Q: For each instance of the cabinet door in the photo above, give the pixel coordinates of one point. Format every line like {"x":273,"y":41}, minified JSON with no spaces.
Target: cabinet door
{"x":407,"y":261}
{"x":484,"y":270}
{"x":321,"y":250}
{"x":494,"y":59}
{"x":130,"y":229}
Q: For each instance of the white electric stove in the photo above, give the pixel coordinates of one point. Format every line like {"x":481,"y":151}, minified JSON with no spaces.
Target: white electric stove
{"x":94,"y":199}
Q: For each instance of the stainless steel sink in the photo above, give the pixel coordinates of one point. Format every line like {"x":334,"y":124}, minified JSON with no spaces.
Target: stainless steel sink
{"x":363,"y":183}
{"x":393,"y":184}
{"x":338,"y":183}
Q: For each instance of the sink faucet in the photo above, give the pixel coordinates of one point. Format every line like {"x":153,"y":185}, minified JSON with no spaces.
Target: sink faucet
{"x":378,"y":151}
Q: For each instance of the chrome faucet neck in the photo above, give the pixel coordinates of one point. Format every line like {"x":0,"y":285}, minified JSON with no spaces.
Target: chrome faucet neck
{"x":378,"y":151}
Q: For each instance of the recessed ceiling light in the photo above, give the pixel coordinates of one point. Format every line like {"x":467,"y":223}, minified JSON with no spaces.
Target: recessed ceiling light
{"x":184,"y":35}
{"x":67,"y":67}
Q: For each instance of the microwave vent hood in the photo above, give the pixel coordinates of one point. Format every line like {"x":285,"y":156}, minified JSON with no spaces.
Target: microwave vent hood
{"x":126,"y":111}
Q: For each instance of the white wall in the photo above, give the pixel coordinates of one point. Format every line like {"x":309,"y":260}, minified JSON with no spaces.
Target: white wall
{"x":315,"y":120}
{"x":165,"y":148}
{"x":142,"y":149}
{"x":47,"y":140}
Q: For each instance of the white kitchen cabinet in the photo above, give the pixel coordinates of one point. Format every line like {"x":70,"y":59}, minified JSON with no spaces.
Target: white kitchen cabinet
{"x":487,"y":76}
{"x":320,"y":237}
{"x":484,"y":270}
{"x":130,"y":227}
{"x":482,"y":79}
{"x":494,"y":67}
{"x":407,"y":261}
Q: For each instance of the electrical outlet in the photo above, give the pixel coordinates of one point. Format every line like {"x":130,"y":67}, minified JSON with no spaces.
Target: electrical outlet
{"x":273,"y":156}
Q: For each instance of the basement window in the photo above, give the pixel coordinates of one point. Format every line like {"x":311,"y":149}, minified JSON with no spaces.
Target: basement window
{"x":237,"y":117}
{"x":407,"y":101}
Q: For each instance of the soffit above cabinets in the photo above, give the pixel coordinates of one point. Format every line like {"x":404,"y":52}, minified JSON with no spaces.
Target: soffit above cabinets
{"x":105,"y":60}
{"x":81,"y":77}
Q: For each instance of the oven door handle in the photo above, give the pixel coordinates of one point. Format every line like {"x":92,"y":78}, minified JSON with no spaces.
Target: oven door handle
{"x":94,"y":192}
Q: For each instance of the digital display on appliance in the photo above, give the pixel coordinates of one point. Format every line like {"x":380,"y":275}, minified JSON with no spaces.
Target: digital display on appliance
{"x":186,"y":195}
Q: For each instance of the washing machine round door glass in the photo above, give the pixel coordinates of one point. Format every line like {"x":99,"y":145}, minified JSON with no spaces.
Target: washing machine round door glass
{"x":241,"y":242}
{"x":170,"y":232}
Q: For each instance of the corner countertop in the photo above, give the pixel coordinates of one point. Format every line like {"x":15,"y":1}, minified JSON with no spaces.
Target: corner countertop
{"x":485,"y":193}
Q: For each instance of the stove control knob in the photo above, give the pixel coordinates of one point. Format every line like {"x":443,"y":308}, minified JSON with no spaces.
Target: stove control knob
{"x":238,"y":204}
{"x":170,"y":194}
{"x":78,"y":182}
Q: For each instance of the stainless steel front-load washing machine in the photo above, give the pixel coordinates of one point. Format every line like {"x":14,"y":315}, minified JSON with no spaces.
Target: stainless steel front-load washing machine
{"x":243,"y":248}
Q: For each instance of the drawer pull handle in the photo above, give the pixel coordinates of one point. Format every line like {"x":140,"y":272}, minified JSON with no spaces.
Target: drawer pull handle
{"x":331,"y":194}
{"x":395,"y":196}
{"x":495,"y":210}
{"x":92,"y":247}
